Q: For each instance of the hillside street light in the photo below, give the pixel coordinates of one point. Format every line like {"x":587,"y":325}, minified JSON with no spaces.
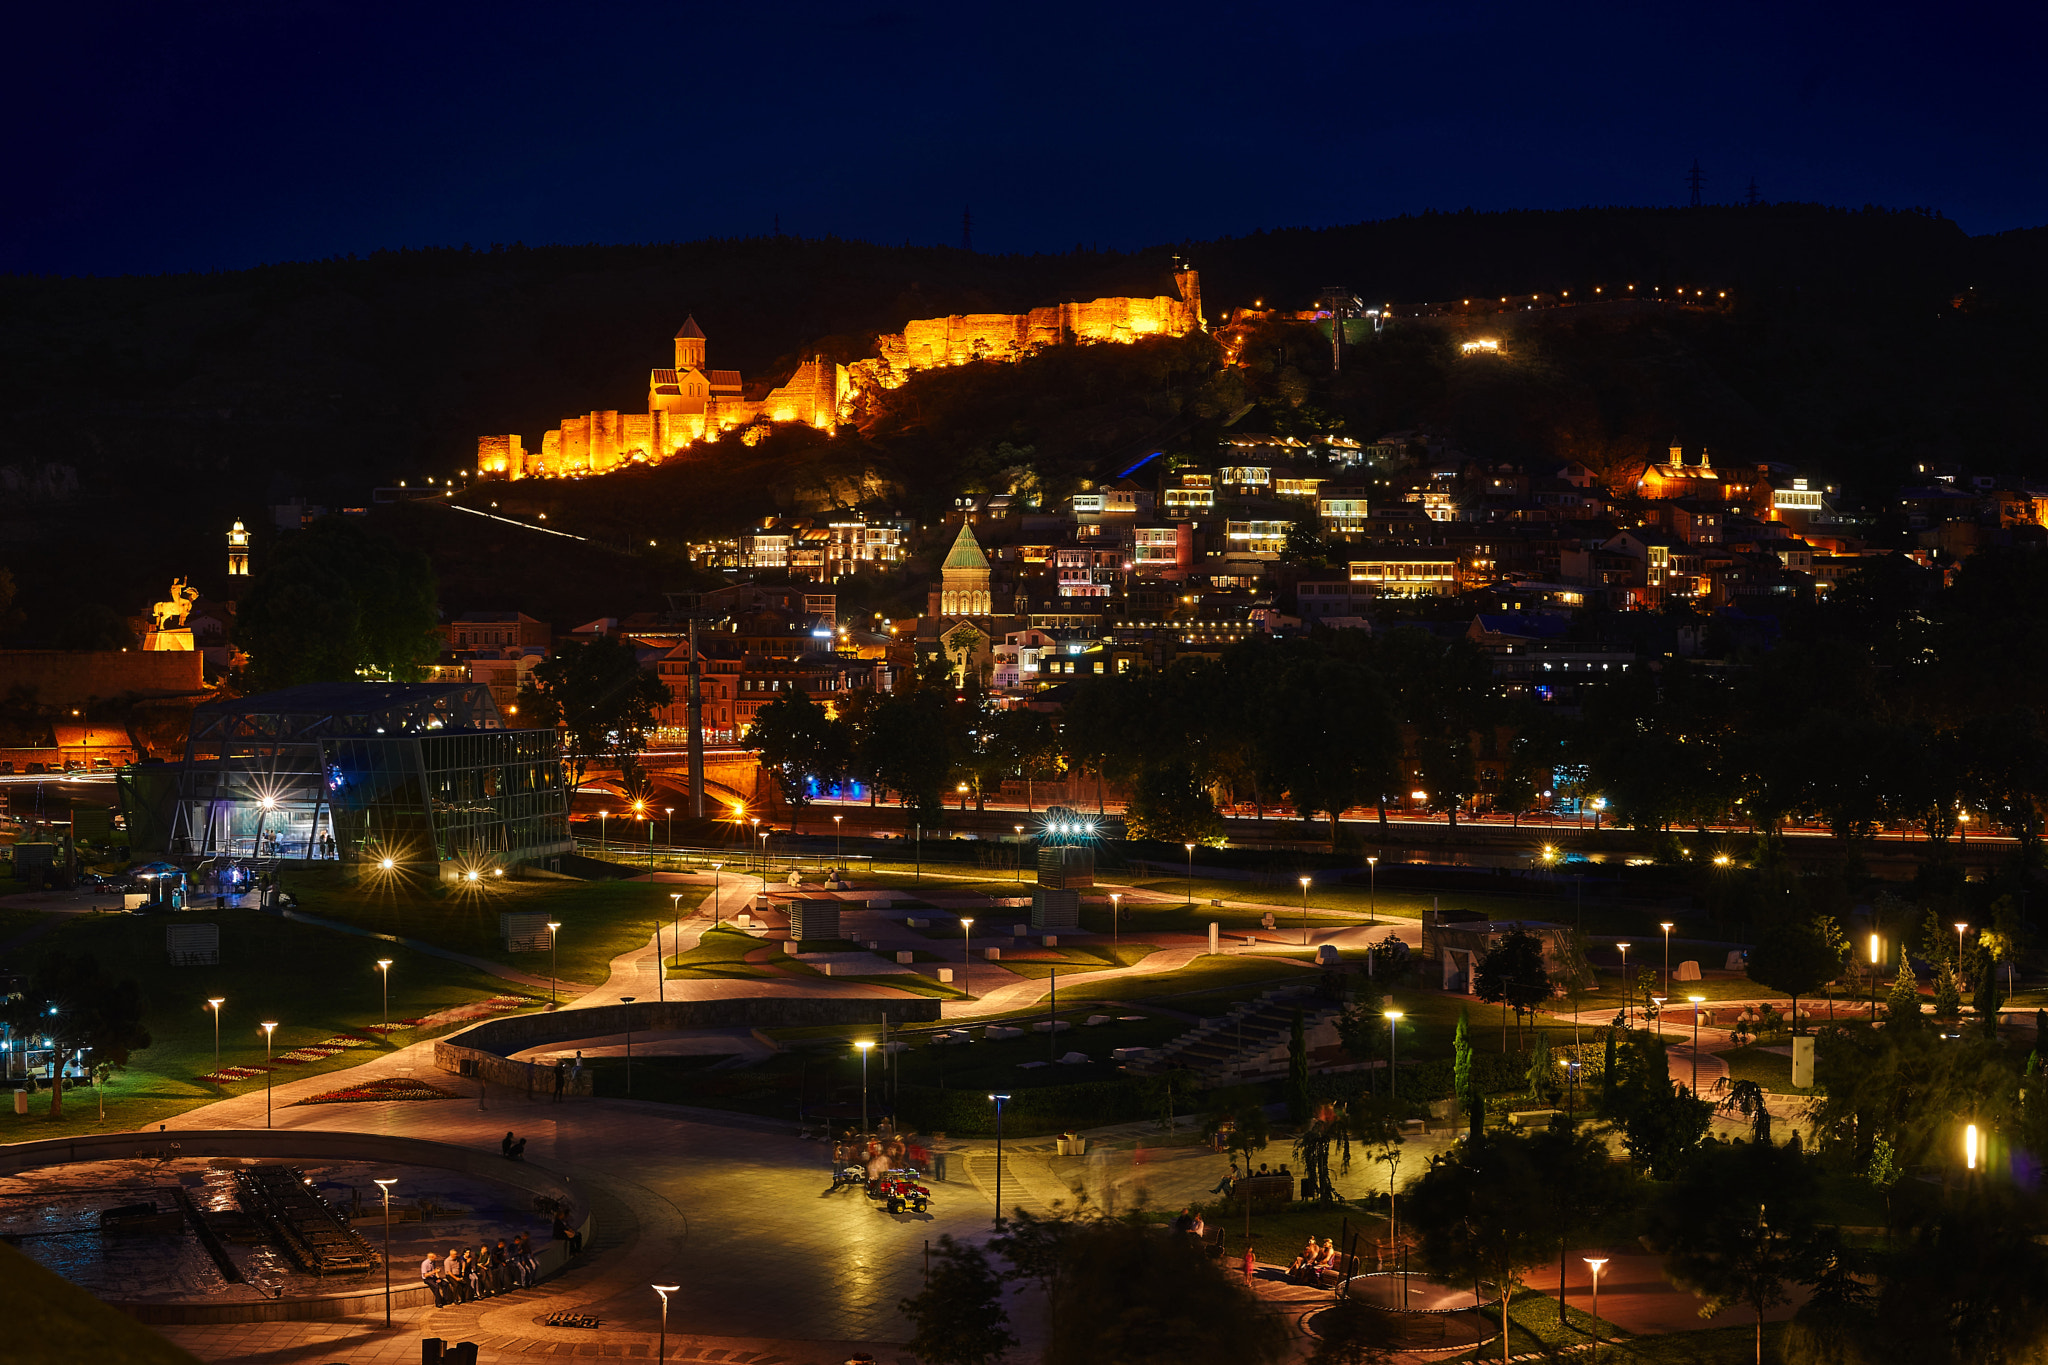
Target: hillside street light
{"x":1304,"y":912}
{"x":554,"y":927}
{"x":998,"y":1102}
{"x":1393,"y":1053}
{"x":1191,"y":873}
{"x":1697,"y":1001}
{"x":1595,"y":1262}
{"x":385,"y":1185}
{"x":1372,"y":891}
{"x":214,"y":1005}
{"x":664,"y":1290}
{"x":384,"y":966}
{"x":1667,"y":957}
{"x":865,"y":1045}
{"x":268,"y":1029}
{"x":1627,"y":996}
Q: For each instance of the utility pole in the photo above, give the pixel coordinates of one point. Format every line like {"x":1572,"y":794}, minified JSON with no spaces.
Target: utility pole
{"x":1693,"y":178}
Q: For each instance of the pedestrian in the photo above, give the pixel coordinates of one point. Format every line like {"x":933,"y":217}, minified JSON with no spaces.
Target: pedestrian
{"x":561,"y":1073}
{"x":505,"y":1145}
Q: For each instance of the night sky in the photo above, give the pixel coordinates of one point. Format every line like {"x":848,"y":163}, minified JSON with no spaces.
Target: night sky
{"x":221,"y":135}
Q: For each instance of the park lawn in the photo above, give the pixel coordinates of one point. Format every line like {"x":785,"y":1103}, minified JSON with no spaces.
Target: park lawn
{"x":1206,"y":986}
{"x":1533,"y":1327}
{"x":1768,"y":1069}
{"x":1607,"y":989}
{"x":719,"y":953}
{"x":314,"y":982}
{"x":15,"y":921}
{"x":1709,"y":1346}
{"x":599,"y":920}
{"x":1083,"y":958}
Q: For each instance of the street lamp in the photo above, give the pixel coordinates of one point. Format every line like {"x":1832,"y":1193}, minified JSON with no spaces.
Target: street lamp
{"x":865,"y":1045}
{"x":838,"y":859}
{"x":1969,"y":1146}
{"x":554,"y":926}
{"x":1372,"y":890}
{"x":1627,"y":996}
{"x":214,"y":1005}
{"x":664,"y":1290}
{"x":756,"y":822}
{"x":385,"y":1185}
{"x":962,"y":789}
{"x":1697,"y":1001}
{"x":1667,"y":957}
{"x":716,"y":870}
{"x":1191,"y":873}
{"x":660,"y":967}
{"x":669,"y":830}
{"x":1020,"y":851}
{"x":1304,"y":912}
{"x":268,"y":1029}
{"x":1393,"y":1053}
{"x":966,"y":951}
{"x":602,"y":816}
{"x":1116,"y":924}
{"x":998,"y":1100}
{"x":1875,"y":957}
{"x":1596,"y":1262}
{"x":627,"y":1000}
{"x":675,"y":911}
{"x":384,"y":966}
{"x":1960,"y":927}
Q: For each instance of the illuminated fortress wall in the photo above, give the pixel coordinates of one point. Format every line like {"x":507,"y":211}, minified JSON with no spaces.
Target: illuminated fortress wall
{"x":690,"y":403}
{"x":930,"y":342}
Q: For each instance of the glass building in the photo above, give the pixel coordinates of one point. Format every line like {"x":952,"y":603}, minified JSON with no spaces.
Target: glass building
{"x":418,"y":773}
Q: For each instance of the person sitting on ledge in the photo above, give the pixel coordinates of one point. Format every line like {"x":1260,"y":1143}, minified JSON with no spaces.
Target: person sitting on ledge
{"x":522,"y":1256}
{"x":437,"y":1285}
{"x":1305,"y":1263}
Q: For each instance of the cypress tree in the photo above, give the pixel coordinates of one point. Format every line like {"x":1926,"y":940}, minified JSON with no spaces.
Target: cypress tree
{"x":1461,"y":1065}
{"x":1902,"y":1005}
{"x":1948,"y":996}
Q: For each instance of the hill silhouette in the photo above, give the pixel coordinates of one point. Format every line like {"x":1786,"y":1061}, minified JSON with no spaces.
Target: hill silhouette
{"x":146,"y":412}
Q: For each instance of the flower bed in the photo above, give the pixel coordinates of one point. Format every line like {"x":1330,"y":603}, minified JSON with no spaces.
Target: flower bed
{"x":229,"y":1074}
{"x":395,"y":1088}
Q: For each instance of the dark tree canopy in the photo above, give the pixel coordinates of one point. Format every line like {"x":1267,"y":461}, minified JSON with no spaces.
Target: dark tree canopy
{"x":600,"y":697}
{"x":336,"y":603}
{"x":81,"y":1008}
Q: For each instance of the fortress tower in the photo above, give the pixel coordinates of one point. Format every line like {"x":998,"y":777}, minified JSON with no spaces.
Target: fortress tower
{"x":238,"y":551}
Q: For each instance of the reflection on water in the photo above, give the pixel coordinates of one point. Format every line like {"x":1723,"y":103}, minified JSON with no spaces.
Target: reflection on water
{"x":52,"y":1215}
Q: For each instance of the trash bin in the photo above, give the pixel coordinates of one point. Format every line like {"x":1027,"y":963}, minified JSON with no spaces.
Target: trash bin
{"x":21,"y":1101}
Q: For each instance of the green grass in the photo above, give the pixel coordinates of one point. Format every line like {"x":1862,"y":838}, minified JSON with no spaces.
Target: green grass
{"x":599,"y":920}
{"x":15,"y":921}
{"x":1206,"y":986}
{"x":1768,"y":1069}
{"x":1091,"y":957}
{"x":1533,"y":1326}
{"x":314,"y":982}
{"x":1278,"y":1230}
{"x":720,"y":953}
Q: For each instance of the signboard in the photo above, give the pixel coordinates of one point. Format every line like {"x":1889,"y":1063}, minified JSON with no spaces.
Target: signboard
{"x":193,"y":945}
{"x":525,"y":932}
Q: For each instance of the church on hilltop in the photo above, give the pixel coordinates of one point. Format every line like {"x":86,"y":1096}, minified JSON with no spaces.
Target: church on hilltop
{"x":687,"y":402}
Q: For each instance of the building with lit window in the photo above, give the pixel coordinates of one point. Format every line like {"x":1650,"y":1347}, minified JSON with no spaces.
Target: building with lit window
{"x":424,"y":774}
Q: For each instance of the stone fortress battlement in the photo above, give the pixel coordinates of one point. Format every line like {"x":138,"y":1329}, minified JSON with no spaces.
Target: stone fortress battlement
{"x":690,"y":402}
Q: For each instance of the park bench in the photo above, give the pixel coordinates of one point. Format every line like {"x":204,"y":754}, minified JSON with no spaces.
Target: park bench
{"x":1278,"y":1189}
{"x":1530,"y":1120}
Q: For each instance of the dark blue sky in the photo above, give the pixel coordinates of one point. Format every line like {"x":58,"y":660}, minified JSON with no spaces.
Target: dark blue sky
{"x":228,"y":133}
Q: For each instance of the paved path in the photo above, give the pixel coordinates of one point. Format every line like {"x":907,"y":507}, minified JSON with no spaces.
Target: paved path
{"x":482,"y":964}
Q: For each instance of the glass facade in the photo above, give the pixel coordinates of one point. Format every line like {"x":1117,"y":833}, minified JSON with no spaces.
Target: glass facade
{"x":360,"y":772}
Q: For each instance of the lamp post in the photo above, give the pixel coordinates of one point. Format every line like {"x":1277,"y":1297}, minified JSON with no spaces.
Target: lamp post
{"x":660,"y":967}
{"x":717,"y":870}
{"x":669,"y":827}
{"x":1020,"y":851}
{"x":1372,"y":890}
{"x":1960,"y":927}
{"x":838,"y":858}
{"x":384,"y":967}
{"x":1191,"y":873}
{"x":554,"y":927}
{"x":1627,"y":996}
{"x":962,"y":790}
{"x":1304,"y":912}
{"x":627,"y":1000}
{"x":1595,"y":1262}
{"x":756,"y":820}
{"x":1697,"y":1001}
{"x":385,"y":1185}
{"x":998,"y":1099}
{"x":1393,"y":1054}
{"x":1969,"y":1146}
{"x":1116,"y":925}
{"x":602,"y":817}
{"x":214,"y":1004}
{"x":675,"y":911}
{"x":966,"y":951}
{"x":664,"y":1290}
{"x":268,"y":1029}
{"x":1667,"y":957}
{"x":864,"y":1045}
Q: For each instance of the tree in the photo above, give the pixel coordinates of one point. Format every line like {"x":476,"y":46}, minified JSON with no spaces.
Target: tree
{"x":1243,"y":1128}
{"x":798,"y":743}
{"x":906,"y":750}
{"x":1662,"y":1123}
{"x":1578,"y":1184}
{"x":1168,"y":804}
{"x":1360,"y":1025}
{"x":1511,"y":974}
{"x":81,"y":1009}
{"x":1948,"y":995}
{"x":1461,"y":1055}
{"x":1475,"y":1218}
{"x":1746,"y":1099}
{"x":1138,"y":1295}
{"x":1737,"y":1226}
{"x":1902,"y":1005}
{"x":959,"y":1315}
{"x":1542,"y":1072}
{"x":336,"y":603}
{"x":601,"y":698}
{"x":1987,"y":998}
{"x":1965,"y":1289}
{"x":1799,"y":956}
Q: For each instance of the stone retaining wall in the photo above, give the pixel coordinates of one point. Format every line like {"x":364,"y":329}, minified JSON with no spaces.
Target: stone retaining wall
{"x":306,"y":1145}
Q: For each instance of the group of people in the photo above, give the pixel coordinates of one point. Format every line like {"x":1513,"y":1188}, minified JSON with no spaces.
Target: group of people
{"x":1316,"y":1260}
{"x":1229,"y":1182}
{"x":512,"y":1149}
{"x":467,"y":1275}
